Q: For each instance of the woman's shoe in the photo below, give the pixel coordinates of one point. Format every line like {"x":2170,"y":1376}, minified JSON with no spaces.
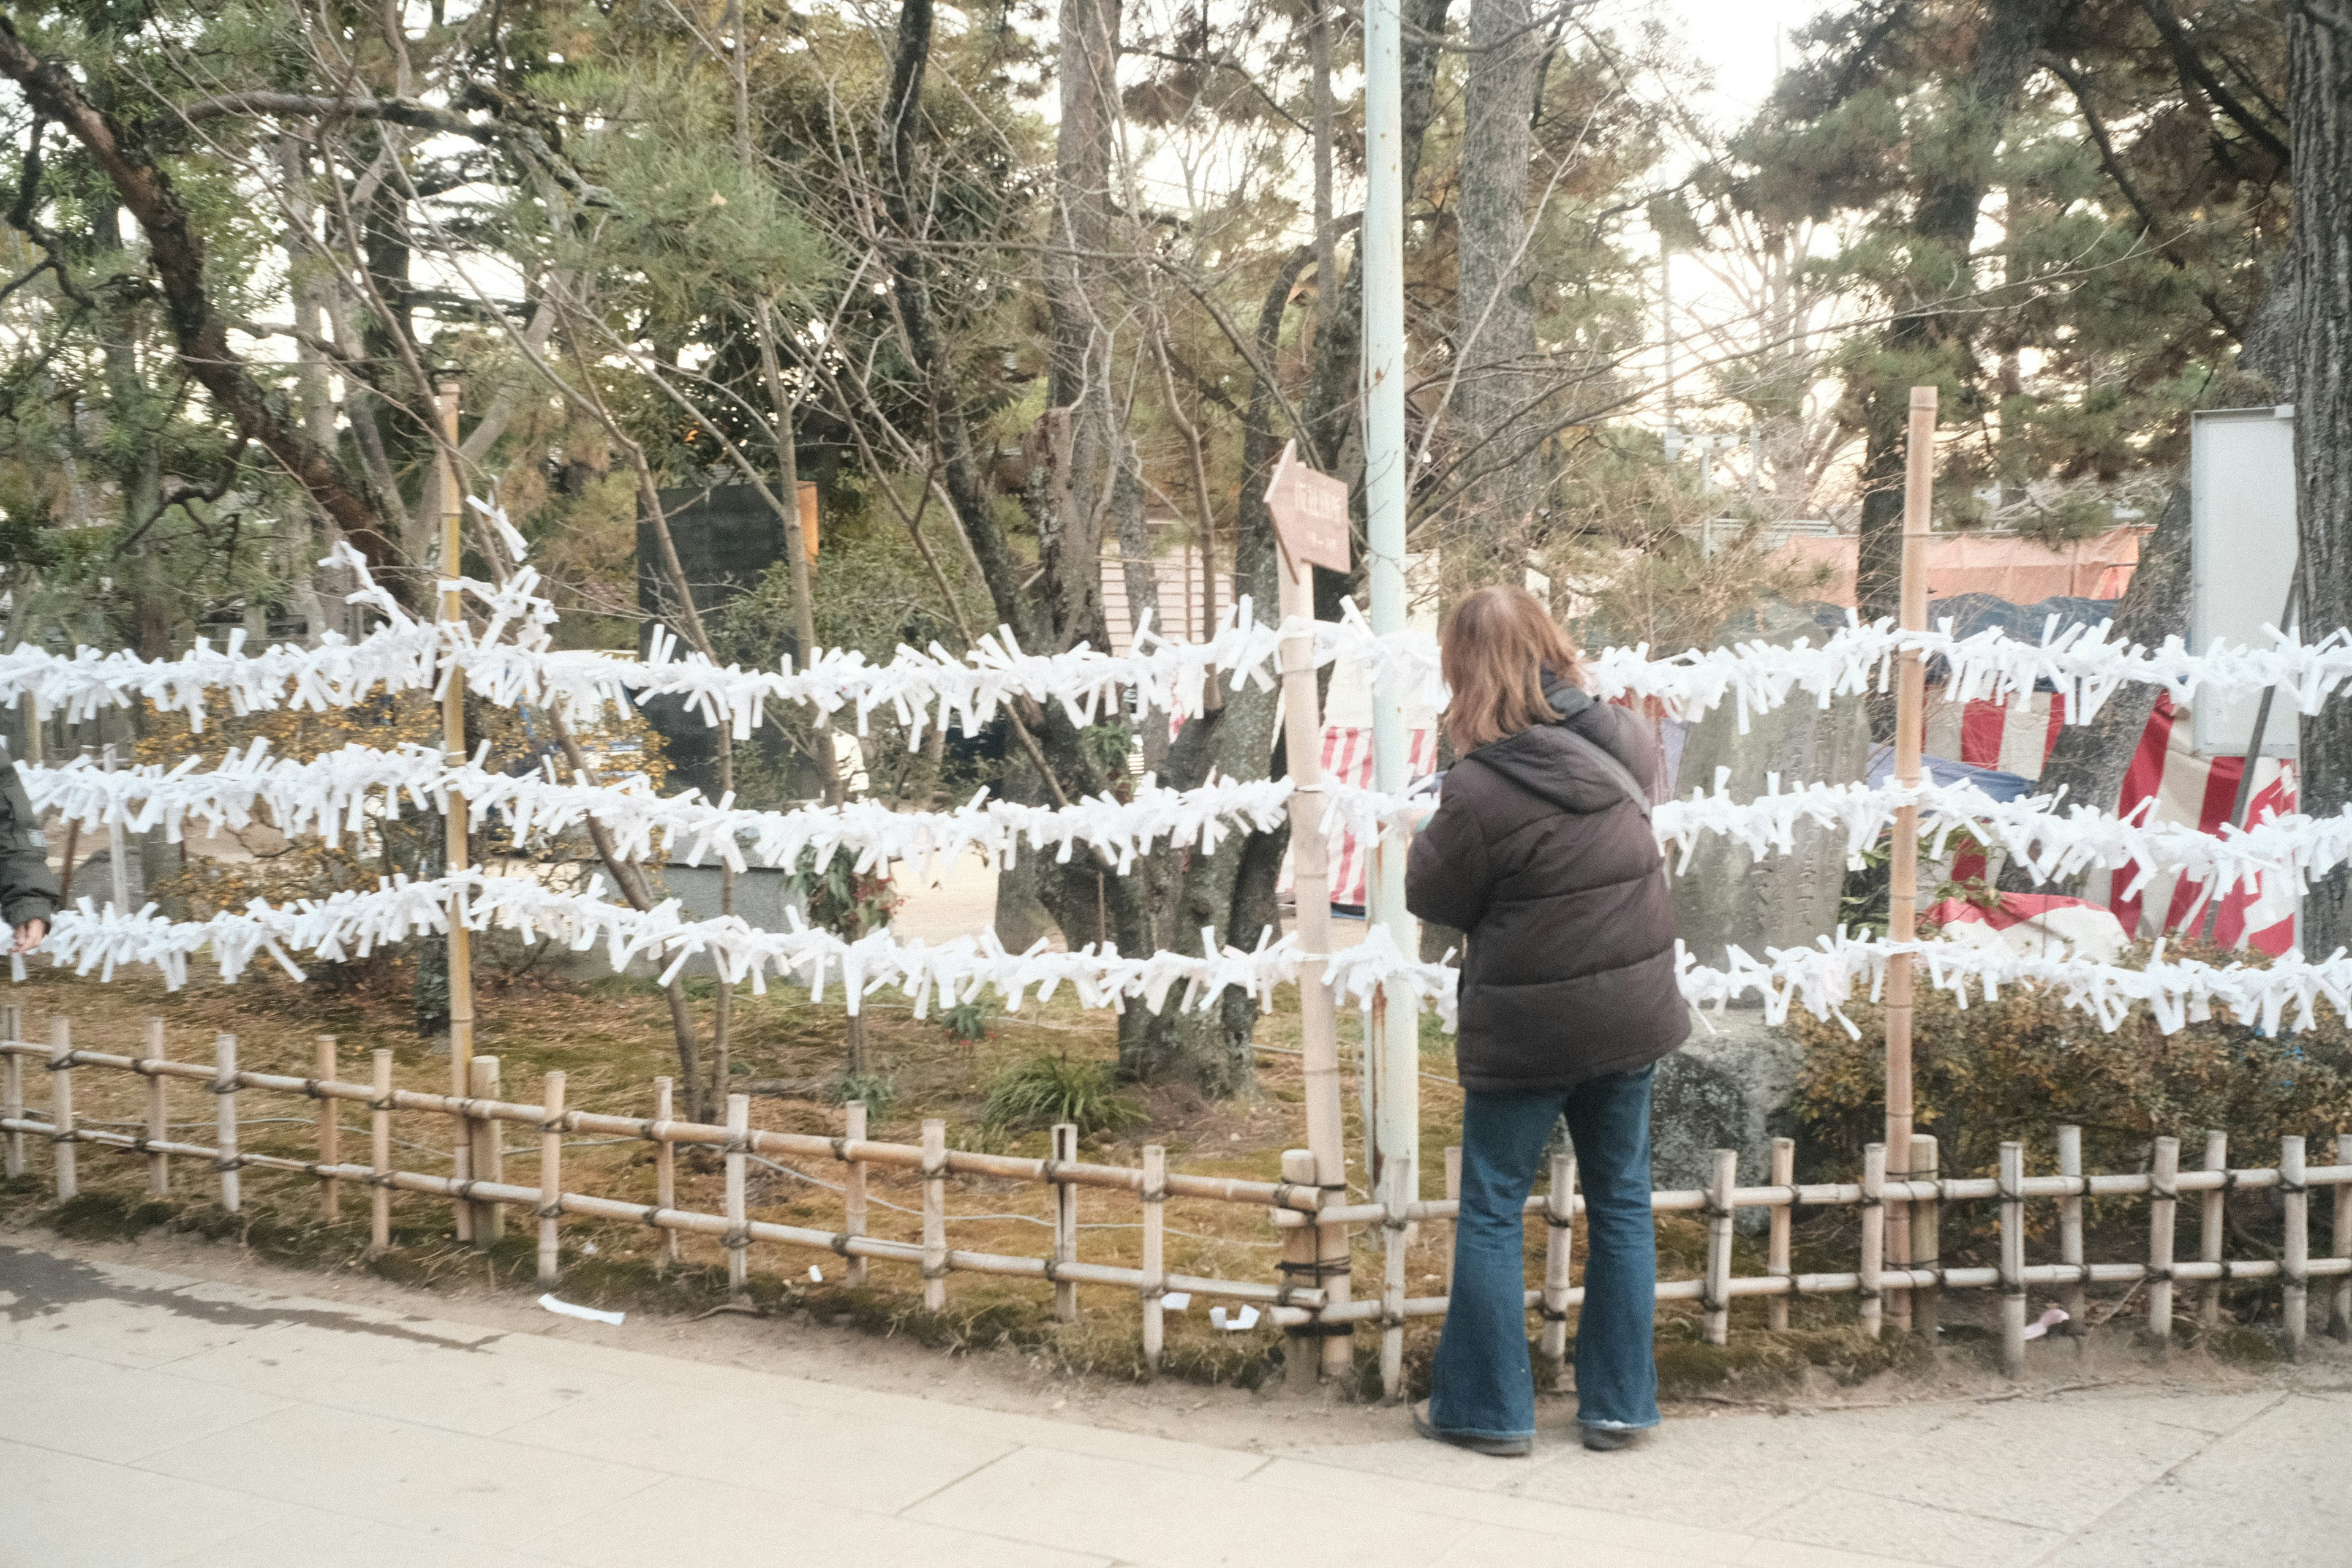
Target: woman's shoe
{"x":1608,"y":1439}
{"x":1495,"y":1447}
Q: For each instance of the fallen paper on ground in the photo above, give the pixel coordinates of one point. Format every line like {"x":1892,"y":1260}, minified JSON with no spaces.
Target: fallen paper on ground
{"x":1234,"y":1322}
{"x":2048,"y":1321}
{"x":1177,"y":1301}
{"x":567,"y":1310}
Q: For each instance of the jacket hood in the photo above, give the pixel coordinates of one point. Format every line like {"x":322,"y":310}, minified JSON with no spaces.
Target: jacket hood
{"x":1542,"y":760}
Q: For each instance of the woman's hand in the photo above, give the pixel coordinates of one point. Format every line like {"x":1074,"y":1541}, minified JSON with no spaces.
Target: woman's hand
{"x":30,"y":935}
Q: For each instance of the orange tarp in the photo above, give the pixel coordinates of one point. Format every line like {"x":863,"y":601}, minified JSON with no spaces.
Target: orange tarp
{"x":2003,"y":566}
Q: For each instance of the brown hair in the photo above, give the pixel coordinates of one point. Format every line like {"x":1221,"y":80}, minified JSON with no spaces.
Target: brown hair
{"x":1493,"y":655}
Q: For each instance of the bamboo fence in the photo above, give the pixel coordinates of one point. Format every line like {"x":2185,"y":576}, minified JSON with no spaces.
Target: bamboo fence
{"x":1297,"y":1208}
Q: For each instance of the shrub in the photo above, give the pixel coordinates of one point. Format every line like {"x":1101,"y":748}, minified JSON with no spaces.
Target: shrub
{"x":1044,"y":1090}
{"x":966,"y":1022}
{"x":879,"y":1090}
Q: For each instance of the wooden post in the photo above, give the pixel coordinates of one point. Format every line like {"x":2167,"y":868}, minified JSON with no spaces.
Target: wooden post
{"x":225,"y":1137}
{"x":1303,"y":1346}
{"x":2012,"y":1259}
{"x":380,"y":1158}
{"x":1873,"y":1237}
{"x":2339,"y":1319}
{"x":331,"y":1133}
{"x":1452,"y":1195}
{"x":853,"y":1190}
{"x":738,"y":1219}
{"x":61,"y":1108}
{"x":935,"y":1215}
{"x":2294,"y":1256}
{"x":550,"y":1180}
{"x":1065,"y":1222}
{"x":1302,"y":729}
{"x":488,"y":1161}
{"x":1155,"y":1255}
{"x":665,"y":1168}
{"x":1395,"y":1234}
{"x":2072,"y":1295}
{"x":2212,"y":1223}
{"x":1717,"y":1299}
{"x":2163,"y":1207}
{"x":453,"y":748}
{"x":158,"y":1112}
{"x":1927,"y":1239}
{"x":12,"y":1084}
{"x":1783,"y":1220}
{"x":1559,"y":1258}
{"x":1903,"y":881}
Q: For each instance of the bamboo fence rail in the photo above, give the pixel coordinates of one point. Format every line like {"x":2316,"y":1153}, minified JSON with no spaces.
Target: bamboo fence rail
{"x":1295,"y":1206}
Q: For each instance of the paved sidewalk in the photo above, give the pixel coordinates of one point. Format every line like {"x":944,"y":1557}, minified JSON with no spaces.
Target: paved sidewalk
{"x":146,"y":1418}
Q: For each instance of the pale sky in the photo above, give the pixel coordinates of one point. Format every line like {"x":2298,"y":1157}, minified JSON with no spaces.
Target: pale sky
{"x":1735,"y":37}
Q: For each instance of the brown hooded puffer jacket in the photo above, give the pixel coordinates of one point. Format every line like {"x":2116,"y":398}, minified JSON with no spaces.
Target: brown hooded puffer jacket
{"x":1537,"y":853}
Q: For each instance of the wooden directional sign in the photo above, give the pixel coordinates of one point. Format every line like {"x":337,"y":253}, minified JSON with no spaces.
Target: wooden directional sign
{"x":1310,"y":512}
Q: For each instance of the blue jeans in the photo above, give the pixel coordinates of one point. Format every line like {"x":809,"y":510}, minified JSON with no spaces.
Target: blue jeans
{"x":1484,"y":1387}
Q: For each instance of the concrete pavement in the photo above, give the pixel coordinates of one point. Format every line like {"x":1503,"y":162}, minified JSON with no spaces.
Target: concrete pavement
{"x":152,"y":1418}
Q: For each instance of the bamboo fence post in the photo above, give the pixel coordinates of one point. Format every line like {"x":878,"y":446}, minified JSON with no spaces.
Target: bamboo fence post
{"x":1927,"y":1239}
{"x":665,"y":1168}
{"x":2339,"y":1320}
{"x":2072,"y":1295}
{"x":1782,"y":1221}
{"x":1873,"y":1237}
{"x":1453,"y":1226}
{"x":1065,"y":1220}
{"x":1303,"y":1344}
{"x":1394,"y":1235}
{"x":2012,"y":1259}
{"x":1155,"y":1258}
{"x":380,"y":1158}
{"x":853,"y":1189}
{"x":225,"y":1158}
{"x":738,"y":1219}
{"x":551,"y":1179}
{"x":488,"y":1153}
{"x":1717,"y":1299}
{"x":2164,"y":1202}
{"x":935,"y":1215}
{"x":1559,"y":1258}
{"x":331,"y":1133}
{"x":2295,"y":1257}
{"x":12,"y":1084}
{"x":2212,"y":1221}
{"x":158,"y":1112}
{"x":61,"y":1108}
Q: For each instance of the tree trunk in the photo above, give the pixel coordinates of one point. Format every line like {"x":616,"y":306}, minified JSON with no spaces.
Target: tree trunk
{"x":2319,"y":87}
{"x":1495,"y":327}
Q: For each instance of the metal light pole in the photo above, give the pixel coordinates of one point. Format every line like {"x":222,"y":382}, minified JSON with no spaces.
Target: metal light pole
{"x":1391,"y":1038}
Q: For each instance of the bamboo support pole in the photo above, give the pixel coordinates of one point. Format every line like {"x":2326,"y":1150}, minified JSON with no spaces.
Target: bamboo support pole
{"x":2340,"y":1318}
{"x":225,"y":1087}
{"x":12,"y":1085}
{"x":1782,"y":1221}
{"x":1903,"y":881}
{"x":1926,"y":1241}
{"x":455,"y":833}
{"x":158,"y":1112}
{"x":1065,"y":1222}
{"x":489,"y":1153}
{"x":1873,"y":1237}
{"x":1395,"y":1239}
{"x":2212,"y":1220}
{"x":2070,"y":1228}
{"x":739,"y":1216}
{"x":2295,"y":1254}
{"x":550,"y":1180}
{"x":1559,"y":1258}
{"x":1311,"y":878}
{"x":380,"y":1158}
{"x":1452,"y":1195}
{"x":853,"y":1188}
{"x":1155,"y":1257}
{"x":2162,"y":1215}
{"x":61,"y":1108}
{"x":1717,"y":1299}
{"x":935,"y":1215}
{"x":2013,"y":1259}
{"x":1303,"y":1348}
{"x":665,"y":1166}
{"x":331,"y":1133}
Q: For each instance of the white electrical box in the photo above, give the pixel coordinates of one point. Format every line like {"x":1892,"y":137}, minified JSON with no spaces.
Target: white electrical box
{"x":2241,"y":559}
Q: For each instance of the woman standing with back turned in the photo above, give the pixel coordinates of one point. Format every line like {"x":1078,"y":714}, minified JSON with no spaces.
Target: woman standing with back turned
{"x":1540,"y":851}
